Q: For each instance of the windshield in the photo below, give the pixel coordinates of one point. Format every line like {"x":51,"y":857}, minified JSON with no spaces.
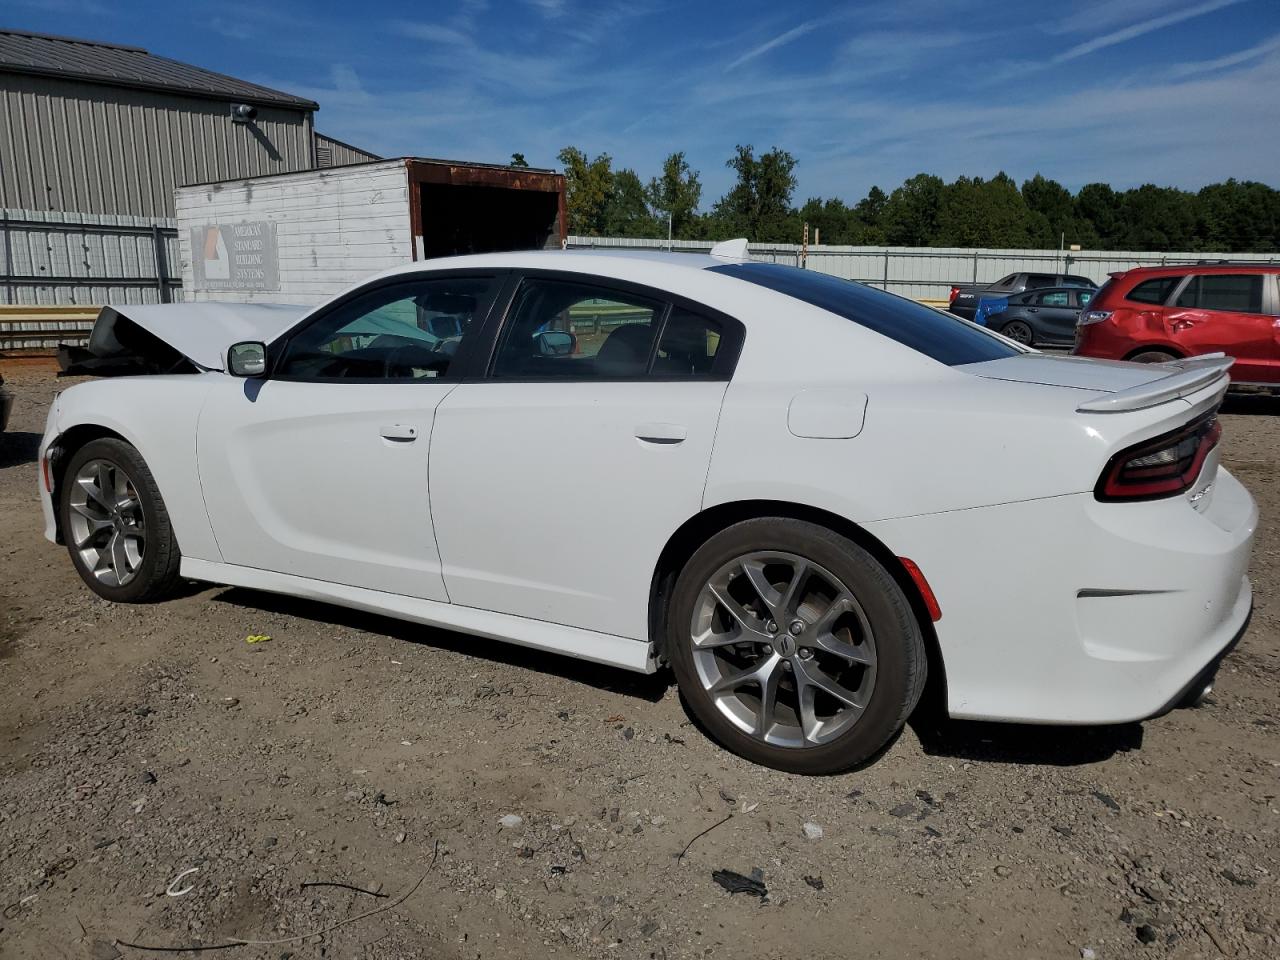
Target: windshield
{"x":938,"y":335}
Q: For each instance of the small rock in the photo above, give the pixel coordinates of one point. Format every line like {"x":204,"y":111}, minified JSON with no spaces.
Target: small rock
{"x":510,"y":821}
{"x":815,"y":882}
{"x":728,"y":796}
{"x":1146,"y":933}
{"x":525,"y":853}
{"x":902,"y":810}
{"x":629,"y":734}
{"x":1088,"y":953}
{"x":147,"y":776}
{"x":1064,"y":830}
{"x":103,"y":950}
{"x":1002,"y":871}
{"x":230,"y":702}
{"x":142,"y":711}
{"x":562,"y":714}
{"x":1233,"y":877}
{"x":1106,"y":799}
{"x":649,"y":929}
{"x":400,"y":837}
{"x":812,"y":830}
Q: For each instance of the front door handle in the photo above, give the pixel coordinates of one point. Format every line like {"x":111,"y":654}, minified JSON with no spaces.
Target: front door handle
{"x":662,"y":432}
{"x":400,"y":432}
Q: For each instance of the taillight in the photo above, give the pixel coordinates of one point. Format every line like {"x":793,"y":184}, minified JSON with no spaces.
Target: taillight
{"x":1163,"y":467}
{"x":1092,"y":316}
{"x":952,"y":295}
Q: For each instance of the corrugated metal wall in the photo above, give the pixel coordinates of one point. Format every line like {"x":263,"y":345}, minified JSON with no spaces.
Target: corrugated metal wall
{"x":335,"y":153}
{"x":67,"y":258}
{"x":927,"y":273}
{"x":91,"y":148}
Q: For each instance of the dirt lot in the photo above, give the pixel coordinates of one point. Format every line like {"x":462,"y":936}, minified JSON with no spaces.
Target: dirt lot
{"x":141,"y":742}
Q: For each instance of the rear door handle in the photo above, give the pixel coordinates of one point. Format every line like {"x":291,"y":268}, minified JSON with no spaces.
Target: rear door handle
{"x":661,"y":432}
{"x":400,"y":432}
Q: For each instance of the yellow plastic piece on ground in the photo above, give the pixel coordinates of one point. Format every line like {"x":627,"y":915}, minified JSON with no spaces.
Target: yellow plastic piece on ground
{"x":256,"y":638}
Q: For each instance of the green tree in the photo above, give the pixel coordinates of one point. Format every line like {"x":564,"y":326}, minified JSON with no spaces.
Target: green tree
{"x":910,"y":215}
{"x":518,"y":160}
{"x":588,"y":188}
{"x":1158,"y":218}
{"x":973,"y":212}
{"x":1240,"y":216}
{"x":676,"y":193}
{"x":1055,"y":210}
{"x":1098,"y":205}
{"x":758,"y":206}
{"x":626,"y":212}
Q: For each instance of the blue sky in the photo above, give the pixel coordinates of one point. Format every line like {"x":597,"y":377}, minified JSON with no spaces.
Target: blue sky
{"x":1179,"y":92}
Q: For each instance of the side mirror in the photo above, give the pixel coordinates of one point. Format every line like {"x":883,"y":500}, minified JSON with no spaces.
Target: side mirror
{"x":556,"y":343}
{"x":247,"y":359}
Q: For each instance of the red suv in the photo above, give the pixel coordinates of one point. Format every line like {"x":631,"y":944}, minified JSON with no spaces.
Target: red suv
{"x":1153,"y":314}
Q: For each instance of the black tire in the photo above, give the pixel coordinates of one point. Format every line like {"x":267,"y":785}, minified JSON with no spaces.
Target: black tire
{"x":1152,"y":356}
{"x":156,"y":575}
{"x":1021,"y":331}
{"x":901,"y":662}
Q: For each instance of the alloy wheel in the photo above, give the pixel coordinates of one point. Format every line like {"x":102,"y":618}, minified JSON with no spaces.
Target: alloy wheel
{"x":1019,"y":331}
{"x":783,"y":649}
{"x":108,"y":529}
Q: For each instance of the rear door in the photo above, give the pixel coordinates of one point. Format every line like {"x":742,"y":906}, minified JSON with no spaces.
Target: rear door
{"x":1054,"y":315}
{"x":558,"y":477}
{"x":1235,"y":313}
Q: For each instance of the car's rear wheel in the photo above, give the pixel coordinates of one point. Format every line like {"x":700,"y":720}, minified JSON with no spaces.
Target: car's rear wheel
{"x":115,"y":524}
{"x":793,"y":646}
{"x":1020,"y":331}
{"x":1152,"y":356}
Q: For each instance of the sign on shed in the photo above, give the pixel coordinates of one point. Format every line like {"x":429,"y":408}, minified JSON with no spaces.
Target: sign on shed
{"x":235,"y":256}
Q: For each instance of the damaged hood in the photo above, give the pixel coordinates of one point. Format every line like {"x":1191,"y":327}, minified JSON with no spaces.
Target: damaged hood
{"x":201,"y":332}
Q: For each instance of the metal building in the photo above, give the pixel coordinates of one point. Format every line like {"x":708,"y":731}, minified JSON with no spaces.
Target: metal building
{"x":92,"y":127}
{"x":94,"y":139}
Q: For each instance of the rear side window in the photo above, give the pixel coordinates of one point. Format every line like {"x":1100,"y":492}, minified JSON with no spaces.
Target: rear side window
{"x":937,"y":335}
{"x":1237,"y":293}
{"x":1156,"y":290}
{"x":1040,"y":280}
{"x":1058,"y":298}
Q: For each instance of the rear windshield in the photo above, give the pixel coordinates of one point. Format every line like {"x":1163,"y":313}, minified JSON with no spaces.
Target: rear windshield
{"x":940,"y":336}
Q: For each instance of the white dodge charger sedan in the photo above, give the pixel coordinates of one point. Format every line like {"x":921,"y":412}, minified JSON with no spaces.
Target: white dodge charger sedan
{"x":804,"y":495}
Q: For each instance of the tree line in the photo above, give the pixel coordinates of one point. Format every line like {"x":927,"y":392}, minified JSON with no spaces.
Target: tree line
{"x":924,"y":211}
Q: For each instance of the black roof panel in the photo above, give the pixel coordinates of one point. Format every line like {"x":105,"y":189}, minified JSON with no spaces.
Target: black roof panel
{"x":122,"y":66}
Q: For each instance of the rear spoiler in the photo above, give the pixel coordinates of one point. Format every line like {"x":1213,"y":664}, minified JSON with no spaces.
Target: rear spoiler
{"x":1185,"y":378}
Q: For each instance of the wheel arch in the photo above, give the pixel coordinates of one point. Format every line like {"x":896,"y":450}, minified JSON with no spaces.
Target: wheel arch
{"x":1172,"y":351}
{"x":67,"y":443}
{"x":695,"y":531}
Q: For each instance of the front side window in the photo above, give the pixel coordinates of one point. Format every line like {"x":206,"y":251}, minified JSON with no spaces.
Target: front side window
{"x":564,"y":329}
{"x":937,"y":335}
{"x":404,"y":331}
{"x":1040,"y":280}
{"x":1156,"y":290}
{"x":1058,"y":298}
{"x":1236,"y":293}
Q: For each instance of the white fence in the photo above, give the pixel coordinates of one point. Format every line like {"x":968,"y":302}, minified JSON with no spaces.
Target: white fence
{"x":927,"y":273}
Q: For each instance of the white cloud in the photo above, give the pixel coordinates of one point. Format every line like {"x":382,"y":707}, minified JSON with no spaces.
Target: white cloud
{"x":795,"y":33}
{"x":1141,"y":28}
{"x":1230,"y":60}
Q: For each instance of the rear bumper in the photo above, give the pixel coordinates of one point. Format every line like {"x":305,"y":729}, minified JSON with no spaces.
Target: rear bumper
{"x":1071,"y":611}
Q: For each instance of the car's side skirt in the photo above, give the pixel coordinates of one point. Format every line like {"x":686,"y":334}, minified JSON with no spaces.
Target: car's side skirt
{"x":552,"y":637}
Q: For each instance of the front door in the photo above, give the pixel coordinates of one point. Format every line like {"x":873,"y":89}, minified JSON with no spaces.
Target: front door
{"x":557,"y":479}
{"x":321,"y":470}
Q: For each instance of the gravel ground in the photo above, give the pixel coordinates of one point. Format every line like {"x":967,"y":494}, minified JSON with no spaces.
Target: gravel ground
{"x":143,"y":742}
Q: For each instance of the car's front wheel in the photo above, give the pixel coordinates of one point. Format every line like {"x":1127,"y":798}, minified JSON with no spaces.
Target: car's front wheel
{"x":115,"y":524}
{"x":793,"y":646}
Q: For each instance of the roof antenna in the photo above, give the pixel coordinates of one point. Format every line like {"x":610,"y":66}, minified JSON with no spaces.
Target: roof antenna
{"x":731,"y":249}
